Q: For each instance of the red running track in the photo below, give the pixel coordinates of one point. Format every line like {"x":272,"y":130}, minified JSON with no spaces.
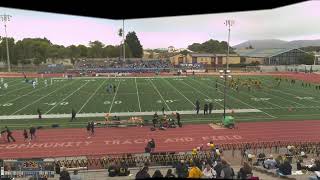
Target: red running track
{"x":75,"y":142}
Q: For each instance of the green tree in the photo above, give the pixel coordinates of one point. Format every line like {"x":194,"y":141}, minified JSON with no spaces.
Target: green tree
{"x":96,"y":49}
{"x":134,"y":45}
{"x":307,"y":59}
{"x":83,"y":50}
{"x":211,"y":46}
{"x":3,"y":50}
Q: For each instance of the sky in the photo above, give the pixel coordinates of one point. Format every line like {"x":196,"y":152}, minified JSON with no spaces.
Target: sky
{"x":295,"y":22}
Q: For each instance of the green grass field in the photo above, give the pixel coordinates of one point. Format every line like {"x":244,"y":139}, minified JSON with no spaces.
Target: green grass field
{"x":148,"y":95}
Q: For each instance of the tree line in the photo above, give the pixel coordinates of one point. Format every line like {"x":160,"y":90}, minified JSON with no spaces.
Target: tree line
{"x":39,"y":50}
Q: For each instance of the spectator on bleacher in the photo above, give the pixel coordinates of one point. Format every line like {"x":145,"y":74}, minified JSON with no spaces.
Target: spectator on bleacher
{"x":226,"y":171}
{"x":315,"y":166}
{"x":157,"y":174}
{"x":113,"y":170}
{"x":143,"y":173}
{"x":123,"y":171}
{"x":75,"y":175}
{"x":279,"y":160}
{"x":152,"y":144}
{"x":261,"y":159}
{"x":182,"y":169}
{"x":208,"y":172}
{"x":218,"y":168}
{"x":285,"y":168}
{"x":170,"y":174}
{"x":245,"y":172}
{"x":64,"y":174}
{"x":270,"y":163}
{"x":194,"y":172}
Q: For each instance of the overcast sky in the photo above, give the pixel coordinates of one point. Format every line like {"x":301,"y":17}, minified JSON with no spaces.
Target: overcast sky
{"x":294,"y":22}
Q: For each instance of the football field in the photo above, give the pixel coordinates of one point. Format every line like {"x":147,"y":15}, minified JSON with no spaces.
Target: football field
{"x":145,"y":96}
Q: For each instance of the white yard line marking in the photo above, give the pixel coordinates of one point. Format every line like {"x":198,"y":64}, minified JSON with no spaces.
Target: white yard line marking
{"x":148,"y":113}
{"x":178,"y":91}
{"x":283,"y":93}
{"x":200,"y":92}
{"x":41,"y":98}
{"x":253,"y":96}
{"x":135,"y":80}
{"x":296,"y":92}
{"x":91,"y":97}
{"x":115,"y":94}
{"x":66,"y":97}
{"x":32,"y":91}
{"x":160,"y":95}
{"x":237,"y":99}
{"x":9,"y":92}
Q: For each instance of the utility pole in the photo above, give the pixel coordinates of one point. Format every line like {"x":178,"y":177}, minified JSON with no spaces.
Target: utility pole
{"x":4,"y":19}
{"x":124,"y":46}
{"x":228,"y":23}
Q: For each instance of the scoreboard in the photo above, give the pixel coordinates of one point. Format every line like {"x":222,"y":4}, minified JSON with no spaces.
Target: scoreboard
{"x":27,"y":167}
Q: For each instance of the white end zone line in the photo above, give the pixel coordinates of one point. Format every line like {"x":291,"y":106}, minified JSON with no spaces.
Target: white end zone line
{"x":59,"y":116}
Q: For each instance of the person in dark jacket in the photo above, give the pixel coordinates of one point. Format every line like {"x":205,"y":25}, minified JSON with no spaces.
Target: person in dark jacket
{"x":92,"y":128}
{"x":218,"y":168}
{"x":157,"y":174}
{"x":226,"y":171}
{"x":182,"y":170}
{"x":123,"y":171}
{"x":64,"y":175}
{"x":143,"y":173}
{"x":178,"y":119}
{"x":25,"y":135}
{"x":32,"y":131}
{"x":89,"y":127}
{"x":210,"y":108}
{"x":73,"y":114}
{"x":170,"y":174}
{"x":285,"y":168}
{"x":205,"y":110}
{"x":9,"y":135}
{"x":197,"y":106}
{"x":315,"y":167}
{"x":152,"y":145}
{"x":113,"y":170}
{"x":39,"y":113}
{"x":245,"y":172}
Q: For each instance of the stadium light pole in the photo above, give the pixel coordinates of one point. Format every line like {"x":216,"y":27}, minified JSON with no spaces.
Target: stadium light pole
{"x":5,"y":18}
{"x":224,"y":75}
{"x":124,"y":46}
{"x":228,"y":23}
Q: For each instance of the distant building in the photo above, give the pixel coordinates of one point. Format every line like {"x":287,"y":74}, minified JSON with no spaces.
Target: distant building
{"x":171,"y":49}
{"x":211,"y":60}
{"x":275,"y":56}
{"x":317,"y":57}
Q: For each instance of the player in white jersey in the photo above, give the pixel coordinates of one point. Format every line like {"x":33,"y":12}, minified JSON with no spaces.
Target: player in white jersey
{"x":1,"y":80}
{"x":46,"y":83}
{"x":34,"y":84}
{"x":5,"y":85}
